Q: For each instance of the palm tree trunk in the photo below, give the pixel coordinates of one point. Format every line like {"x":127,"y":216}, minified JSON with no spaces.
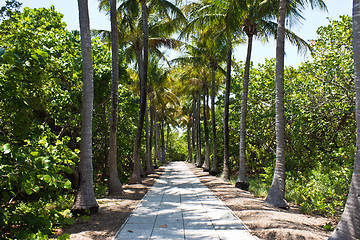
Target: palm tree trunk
{"x":214,"y":169}
{"x":189,"y":158}
{"x":159,"y":157}
{"x":149,"y":165}
{"x":242,"y":181}
{"x":85,"y":196}
{"x":276,"y":195}
{"x":206,"y":165}
{"x":115,"y":186}
{"x":167,"y":140}
{"x":198,"y":144}
{"x":135,"y":176}
{"x":194,"y":129}
{"x":156,"y":141}
{"x":349,"y":225}
{"x":152,"y":136}
{"x":226,"y":170}
{"x":163,"y":158}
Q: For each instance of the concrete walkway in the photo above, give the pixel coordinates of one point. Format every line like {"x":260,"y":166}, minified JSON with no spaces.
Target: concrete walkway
{"x":179,"y":206}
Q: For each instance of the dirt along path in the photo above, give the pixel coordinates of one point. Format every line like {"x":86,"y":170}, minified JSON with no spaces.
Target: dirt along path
{"x":263,"y":220}
{"x":113,"y":212}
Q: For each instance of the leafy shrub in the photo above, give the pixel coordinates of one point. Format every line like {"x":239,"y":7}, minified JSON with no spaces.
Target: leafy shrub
{"x":35,"y":193}
{"x":322,"y":191}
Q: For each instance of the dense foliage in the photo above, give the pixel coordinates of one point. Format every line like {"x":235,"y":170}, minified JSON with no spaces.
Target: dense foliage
{"x":320,"y":123}
{"x":40,"y":102}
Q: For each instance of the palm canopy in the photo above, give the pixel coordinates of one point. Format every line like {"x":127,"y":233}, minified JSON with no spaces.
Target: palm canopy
{"x":131,"y":33}
{"x":206,"y":16}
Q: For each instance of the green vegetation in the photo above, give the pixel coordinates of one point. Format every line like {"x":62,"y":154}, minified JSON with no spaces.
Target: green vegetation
{"x":40,"y":106}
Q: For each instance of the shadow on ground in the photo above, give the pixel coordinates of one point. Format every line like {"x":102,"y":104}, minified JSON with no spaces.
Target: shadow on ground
{"x":265,"y":221}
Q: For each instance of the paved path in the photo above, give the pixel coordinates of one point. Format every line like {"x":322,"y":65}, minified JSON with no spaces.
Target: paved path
{"x":179,"y":206}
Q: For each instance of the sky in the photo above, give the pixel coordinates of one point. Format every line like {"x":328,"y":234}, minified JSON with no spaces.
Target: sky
{"x":306,"y":30}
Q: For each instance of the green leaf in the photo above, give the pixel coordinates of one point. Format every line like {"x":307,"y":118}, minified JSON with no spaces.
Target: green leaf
{"x":42,"y":53}
{"x":46,"y":178}
{"x":67,"y":184}
{"x":34,"y":154}
{"x":6,"y":148}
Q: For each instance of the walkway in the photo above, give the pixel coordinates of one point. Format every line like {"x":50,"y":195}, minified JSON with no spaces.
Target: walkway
{"x":179,"y":206}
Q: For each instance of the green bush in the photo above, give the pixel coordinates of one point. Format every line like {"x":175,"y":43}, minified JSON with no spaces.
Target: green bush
{"x":35,"y":193}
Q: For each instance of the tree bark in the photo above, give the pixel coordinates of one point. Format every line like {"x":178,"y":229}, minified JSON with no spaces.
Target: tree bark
{"x":214,"y":169}
{"x":198,"y":131}
{"x":206,"y":165}
{"x":242,"y":181}
{"x":156,"y":141}
{"x":226,"y":170}
{"x":163,"y":157}
{"x":189,"y":158}
{"x":194,"y":129}
{"x":85,"y":196}
{"x":349,"y":225}
{"x":276,"y":195}
{"x":149,"y":164}
{"x":115,"y":186}
{"x":136,"y":173}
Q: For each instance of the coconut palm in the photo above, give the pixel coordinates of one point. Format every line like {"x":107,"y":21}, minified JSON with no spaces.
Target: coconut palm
{"x":115,"y":186}
{"x":143,"y":67}
{"x":85,"y":196}
{"x":276,"y":193}
{"x":349,"y":225}
{"x":256,"y":19}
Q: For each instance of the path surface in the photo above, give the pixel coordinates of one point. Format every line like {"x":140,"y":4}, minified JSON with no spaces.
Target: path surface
{"x":179,"y":206}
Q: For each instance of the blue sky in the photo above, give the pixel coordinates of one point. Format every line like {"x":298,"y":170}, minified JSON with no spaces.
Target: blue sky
{"x":307,"y":30}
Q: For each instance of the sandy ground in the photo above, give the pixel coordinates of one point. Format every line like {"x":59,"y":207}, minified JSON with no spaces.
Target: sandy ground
{"x":263,"y":220}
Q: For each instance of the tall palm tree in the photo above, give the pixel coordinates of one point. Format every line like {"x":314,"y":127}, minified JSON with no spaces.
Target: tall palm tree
{"x":256,"y":19}
{"x":253,"y":18}
{"x":276,"y":195}
{"x":277,"y":191}
{"x":206,"y":165}
{"x":226,"y":169}
{"x":115,"y":186}
{"x":349,"y":225}
{"x":85,"y":196}
{"x":135,"y":176}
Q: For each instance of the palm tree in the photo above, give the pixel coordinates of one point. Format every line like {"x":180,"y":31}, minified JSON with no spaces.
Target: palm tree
{"x":276,"y":193}
{"x":135,"y":176}
{"x":226,"y":170}
{"x":206,"y":165}
{"x":349,"y":225}
{"x":115,"y":186}
{"x":85,"y":196}
{"x":256,"y":19}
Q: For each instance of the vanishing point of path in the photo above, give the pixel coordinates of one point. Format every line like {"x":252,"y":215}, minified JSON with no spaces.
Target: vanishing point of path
{"x":179,"y":206}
